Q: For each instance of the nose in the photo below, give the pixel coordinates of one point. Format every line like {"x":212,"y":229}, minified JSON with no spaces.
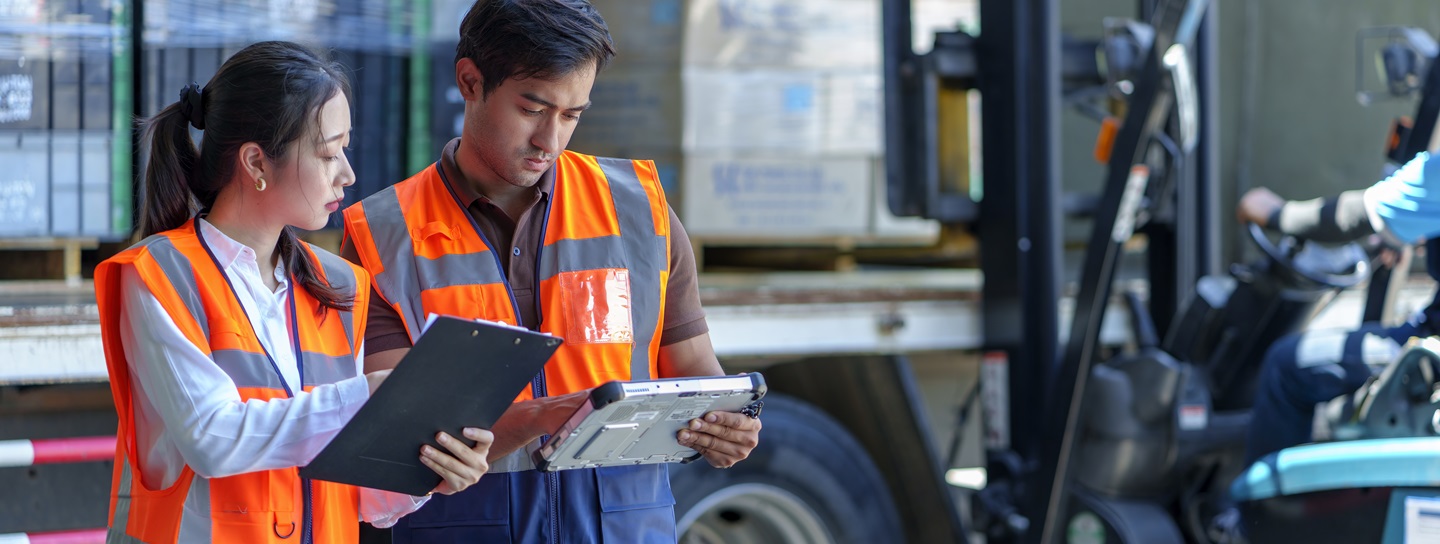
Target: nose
{"x":547,"y":137}
{"x":347,"y":174}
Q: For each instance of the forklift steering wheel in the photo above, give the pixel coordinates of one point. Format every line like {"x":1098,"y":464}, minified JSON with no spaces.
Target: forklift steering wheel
{"x":1314,"y":264}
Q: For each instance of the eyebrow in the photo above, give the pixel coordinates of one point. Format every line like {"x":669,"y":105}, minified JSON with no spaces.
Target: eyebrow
{"x":337,"y":136}
{"x":536,"y":99}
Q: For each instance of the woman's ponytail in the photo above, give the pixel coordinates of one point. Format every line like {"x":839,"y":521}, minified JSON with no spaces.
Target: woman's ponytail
{"x":169,"y":159}
{"x":270,"y":94}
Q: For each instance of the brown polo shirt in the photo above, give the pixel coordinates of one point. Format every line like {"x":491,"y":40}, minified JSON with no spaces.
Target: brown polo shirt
{"x":684,"y":319}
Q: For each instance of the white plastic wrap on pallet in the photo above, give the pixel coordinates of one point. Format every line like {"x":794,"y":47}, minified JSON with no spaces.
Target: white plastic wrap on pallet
{"x":793,"y":111}
{"x":55,"y":117}
{"x":805,"y":34}
{"x":799,"y":80}
{"x":24,"y":191}
{"x":355,"y":25}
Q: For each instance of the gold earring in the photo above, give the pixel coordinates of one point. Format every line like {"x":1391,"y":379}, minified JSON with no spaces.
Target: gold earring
{"x":259,"y":184}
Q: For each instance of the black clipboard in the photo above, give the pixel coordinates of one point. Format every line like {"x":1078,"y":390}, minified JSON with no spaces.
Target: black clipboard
{"x":460,"y":373}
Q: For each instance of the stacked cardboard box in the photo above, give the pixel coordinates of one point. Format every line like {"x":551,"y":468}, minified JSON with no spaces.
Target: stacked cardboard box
{"x":187,"y":40}
{"x":783,"y":122}
{"x":765,"y":116}
{"x":56,"y":128}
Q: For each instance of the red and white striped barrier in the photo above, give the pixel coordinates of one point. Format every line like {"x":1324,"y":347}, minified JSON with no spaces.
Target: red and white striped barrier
{"x":24,"y":453}
{"x":87,"y":536}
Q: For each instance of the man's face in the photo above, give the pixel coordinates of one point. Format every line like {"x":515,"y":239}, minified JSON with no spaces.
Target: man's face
{"x":519,"y":130}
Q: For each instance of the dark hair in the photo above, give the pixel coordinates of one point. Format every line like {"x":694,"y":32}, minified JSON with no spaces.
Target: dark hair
{"x":269,"y":93}
{"x":532,"y":38}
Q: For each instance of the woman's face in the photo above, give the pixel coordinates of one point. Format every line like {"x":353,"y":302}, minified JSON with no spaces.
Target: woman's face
{"x":310,"y":183}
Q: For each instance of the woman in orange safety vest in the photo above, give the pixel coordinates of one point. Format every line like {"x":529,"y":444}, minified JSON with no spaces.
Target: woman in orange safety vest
{"x":233,"y":349}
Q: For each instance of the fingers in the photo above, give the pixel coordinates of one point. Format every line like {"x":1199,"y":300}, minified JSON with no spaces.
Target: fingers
{"x":451,"y":481}
{"x":719,"y":452}
{"x":463,"y":465}
{"x":723,"y":438}
{"x":730,"y":420}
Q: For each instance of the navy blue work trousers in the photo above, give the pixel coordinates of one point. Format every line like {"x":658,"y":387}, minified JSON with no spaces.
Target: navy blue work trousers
{"x":1307,"y":368}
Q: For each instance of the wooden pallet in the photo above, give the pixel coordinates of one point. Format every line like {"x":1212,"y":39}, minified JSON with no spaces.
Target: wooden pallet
{"x":45,"y":257}
{"x":833,"y":253}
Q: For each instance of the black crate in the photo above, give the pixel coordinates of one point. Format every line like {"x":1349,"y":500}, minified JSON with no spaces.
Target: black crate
{"x":370,"y":38}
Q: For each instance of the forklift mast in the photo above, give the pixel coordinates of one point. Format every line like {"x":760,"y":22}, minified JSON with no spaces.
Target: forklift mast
{"x":1022,"y":71}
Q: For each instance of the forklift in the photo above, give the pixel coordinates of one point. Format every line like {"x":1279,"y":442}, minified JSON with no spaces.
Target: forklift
{"x":1144,"y":446}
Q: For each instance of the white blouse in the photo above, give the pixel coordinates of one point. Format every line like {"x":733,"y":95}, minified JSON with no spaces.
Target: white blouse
{"x":189,"y":411}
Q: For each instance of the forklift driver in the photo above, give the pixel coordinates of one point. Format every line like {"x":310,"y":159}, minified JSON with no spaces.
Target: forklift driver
{"x":1307,"y":368}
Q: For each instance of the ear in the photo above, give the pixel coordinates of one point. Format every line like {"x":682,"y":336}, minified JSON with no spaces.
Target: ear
{"x":253,"y":163}
{"x":470,"y":81}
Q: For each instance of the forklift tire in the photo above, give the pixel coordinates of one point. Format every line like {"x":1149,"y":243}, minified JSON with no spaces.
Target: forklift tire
{"x":808,"y":481}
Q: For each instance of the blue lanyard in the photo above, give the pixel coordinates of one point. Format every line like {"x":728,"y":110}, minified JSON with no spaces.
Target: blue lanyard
{"x":538,"y":387}
{"x":294,"y":322}
{"x":504,"y":276}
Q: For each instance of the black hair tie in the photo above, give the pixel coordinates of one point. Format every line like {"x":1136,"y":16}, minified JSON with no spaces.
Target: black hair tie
{"x":192,"y":107}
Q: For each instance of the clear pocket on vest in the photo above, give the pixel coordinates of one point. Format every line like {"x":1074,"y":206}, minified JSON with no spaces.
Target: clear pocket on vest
{"x":597,"y":306}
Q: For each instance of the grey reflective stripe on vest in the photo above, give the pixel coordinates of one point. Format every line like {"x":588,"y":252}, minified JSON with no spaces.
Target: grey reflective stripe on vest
{"x":646,"y":255}
{"x":519,"y":460}
{"x":177,"y":269}
{"x":583,"y":254}
{"x":450,"y":270}
{"x":341,"y":277}
{"x":195,"y":518}
{"x":396,"y":252}
{"x":321,"y":369}
{"x":247,"y":369}
{"x":119,"y":523}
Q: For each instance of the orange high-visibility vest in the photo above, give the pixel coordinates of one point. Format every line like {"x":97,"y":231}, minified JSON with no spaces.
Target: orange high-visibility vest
{"x":601,"y":274}
{"x":264,"y":506}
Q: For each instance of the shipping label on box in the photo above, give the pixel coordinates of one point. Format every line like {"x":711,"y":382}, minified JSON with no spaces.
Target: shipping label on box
{"x":782,"y":33}
{"x":776,"y":198}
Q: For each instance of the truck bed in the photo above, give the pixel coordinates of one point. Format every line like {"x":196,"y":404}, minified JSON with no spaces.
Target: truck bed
{"x":49,"y":333}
